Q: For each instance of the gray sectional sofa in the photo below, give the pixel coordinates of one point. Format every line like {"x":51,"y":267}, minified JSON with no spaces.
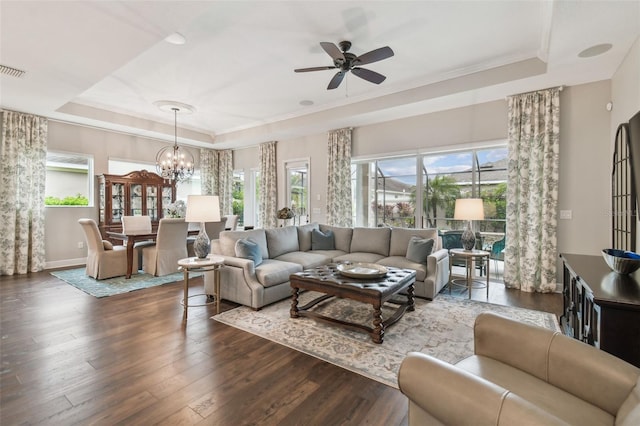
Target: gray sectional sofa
{"x":288,"y":250}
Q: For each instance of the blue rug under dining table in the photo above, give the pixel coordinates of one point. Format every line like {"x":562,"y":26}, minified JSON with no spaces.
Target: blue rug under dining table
{"x":117,"y":285}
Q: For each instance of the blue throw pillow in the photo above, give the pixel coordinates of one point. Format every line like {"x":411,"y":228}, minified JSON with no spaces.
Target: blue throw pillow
{"x":322,"y":240}
{"x":249,"y":249}
{"x":419,"y":249}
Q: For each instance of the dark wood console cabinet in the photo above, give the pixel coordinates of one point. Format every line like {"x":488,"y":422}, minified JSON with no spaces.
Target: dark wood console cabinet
{"x":601,"y":307}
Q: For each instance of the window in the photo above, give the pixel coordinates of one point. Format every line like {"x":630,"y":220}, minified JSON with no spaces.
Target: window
{"x":386,"y":191}
{"x":238,"y":196}
{"x":298,"y":188}
{"x":69,"y":179}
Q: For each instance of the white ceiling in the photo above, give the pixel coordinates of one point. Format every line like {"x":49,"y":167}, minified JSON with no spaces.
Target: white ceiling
{"x":105,"y":63}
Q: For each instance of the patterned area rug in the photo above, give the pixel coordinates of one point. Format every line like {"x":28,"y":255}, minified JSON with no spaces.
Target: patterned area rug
{"x":442,"y":328}
{"x":116,"y":285}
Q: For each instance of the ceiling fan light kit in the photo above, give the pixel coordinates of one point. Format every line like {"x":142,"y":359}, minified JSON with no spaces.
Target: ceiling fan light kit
{"x":346,"y":61}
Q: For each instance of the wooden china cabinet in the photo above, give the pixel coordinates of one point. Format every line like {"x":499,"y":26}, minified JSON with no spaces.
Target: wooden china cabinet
{"x":139,"y":193}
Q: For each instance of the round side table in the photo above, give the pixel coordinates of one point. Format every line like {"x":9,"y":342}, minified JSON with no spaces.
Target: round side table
{"x":469,"y":257}
{"x":195,"y":264}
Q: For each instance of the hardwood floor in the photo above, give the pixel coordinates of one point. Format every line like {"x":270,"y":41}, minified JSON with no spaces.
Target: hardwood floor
{"x":69,"y":358}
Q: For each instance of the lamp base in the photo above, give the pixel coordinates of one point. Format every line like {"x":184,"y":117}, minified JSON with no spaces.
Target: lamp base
{"x":202,"y":244}
{"x":468,"y":238}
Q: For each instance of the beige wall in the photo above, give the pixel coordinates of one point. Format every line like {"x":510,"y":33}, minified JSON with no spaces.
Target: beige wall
{"x":584,"y":160}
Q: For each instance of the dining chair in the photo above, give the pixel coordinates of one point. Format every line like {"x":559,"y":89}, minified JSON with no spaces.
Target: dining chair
{"x":232,"y":222}
{"x":497,"y":252}
{"x":104,"y":260}
{"x":138,"y":225}
{"x":162,"y":258}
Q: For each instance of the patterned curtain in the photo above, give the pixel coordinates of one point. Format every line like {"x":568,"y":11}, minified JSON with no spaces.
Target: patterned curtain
{"x":23,"y":159}
{"x":216,"y":174}
{"x":532,"y":191}
{"x":209,"y":172}
{"x":339,"y":212}
{"x":225,"y":181}
{"x":268,"y":194}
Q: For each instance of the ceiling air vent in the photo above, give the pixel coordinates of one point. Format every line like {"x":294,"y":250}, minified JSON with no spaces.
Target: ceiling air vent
{"x":13,"y":72}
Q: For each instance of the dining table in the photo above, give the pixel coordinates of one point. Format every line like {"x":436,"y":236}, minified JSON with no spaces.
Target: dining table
{"x":129,"y":240}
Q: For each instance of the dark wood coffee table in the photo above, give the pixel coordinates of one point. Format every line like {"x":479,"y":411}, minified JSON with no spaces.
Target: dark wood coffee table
{"x":328,"y":280}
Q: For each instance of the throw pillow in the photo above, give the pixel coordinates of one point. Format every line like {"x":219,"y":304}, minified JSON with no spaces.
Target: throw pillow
{"x":249,"y":249}
{"x":419,"y":249}
{"x":107,"y":245}
{"x":322,"y":240}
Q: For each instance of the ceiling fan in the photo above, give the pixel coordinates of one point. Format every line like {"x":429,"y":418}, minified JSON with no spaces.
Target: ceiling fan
{"x":346,"y":61}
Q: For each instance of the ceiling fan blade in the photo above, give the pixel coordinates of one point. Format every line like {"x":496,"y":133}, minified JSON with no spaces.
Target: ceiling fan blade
{"x":314,"y":69}
{"x":374,"y":56}
{"x":336,"y":80}
{"x":369,"y":75}
{"x":332,"y":50}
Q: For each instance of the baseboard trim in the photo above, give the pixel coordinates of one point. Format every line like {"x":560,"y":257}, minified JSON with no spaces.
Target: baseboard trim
{"x":80,"y":261}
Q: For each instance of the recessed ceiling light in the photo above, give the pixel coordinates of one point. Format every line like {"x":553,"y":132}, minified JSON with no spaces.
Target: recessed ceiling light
{"x":170,"y":106}
{"x":596,"y":50}
{"x":175,"y":38}
{"x":306,"y":102}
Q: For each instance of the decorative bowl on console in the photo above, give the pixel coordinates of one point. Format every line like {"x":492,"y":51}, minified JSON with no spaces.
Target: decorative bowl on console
{"x":621,"y":261}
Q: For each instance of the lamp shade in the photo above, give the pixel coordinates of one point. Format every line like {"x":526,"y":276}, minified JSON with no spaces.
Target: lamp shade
{"x":466,"y":209}
{"x":203,"y":208}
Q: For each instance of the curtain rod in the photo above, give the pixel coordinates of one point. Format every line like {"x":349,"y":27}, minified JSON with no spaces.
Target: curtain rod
{"x":534,"y":91}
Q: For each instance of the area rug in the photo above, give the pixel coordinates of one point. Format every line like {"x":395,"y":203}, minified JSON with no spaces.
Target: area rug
{"x":116,"y":285}
{"x":442,"y":328}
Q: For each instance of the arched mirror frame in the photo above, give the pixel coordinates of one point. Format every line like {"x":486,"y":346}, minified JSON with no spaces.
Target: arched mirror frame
{"x":623,"y":193}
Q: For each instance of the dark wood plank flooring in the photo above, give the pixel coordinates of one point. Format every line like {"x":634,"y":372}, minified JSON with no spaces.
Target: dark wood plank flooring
{"x":69,"y":358}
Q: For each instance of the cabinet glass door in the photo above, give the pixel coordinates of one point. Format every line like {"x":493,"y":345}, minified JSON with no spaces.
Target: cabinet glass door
{"x":117,"y":202}
{"x":136,"y":200}
{"x":166,"y":200}
{"x":152,"y":202}
{"x":101,"y":206}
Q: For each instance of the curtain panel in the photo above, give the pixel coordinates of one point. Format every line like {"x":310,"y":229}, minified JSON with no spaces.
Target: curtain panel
{"x":225,"y":181}
{"x":532,"y":191}
{"x":216,"y":174}
{"x":23,"y":159}
{"x":339,"y":210}
{"x":209,"y":172}
{"x":268,"y":193}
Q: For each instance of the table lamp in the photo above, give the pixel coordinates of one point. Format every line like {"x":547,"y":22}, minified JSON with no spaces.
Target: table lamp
{"x":468,"y":209}
{"x":202,"y":208}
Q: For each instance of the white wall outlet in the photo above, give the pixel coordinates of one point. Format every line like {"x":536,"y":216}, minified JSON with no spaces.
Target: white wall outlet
{"x":565,"y":214}
{"x":80,"y":244}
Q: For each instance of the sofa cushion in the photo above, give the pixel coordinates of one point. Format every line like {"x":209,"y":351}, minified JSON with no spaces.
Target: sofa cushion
{"x":549,"y":398}
{"x":273,"y":272}
{"x":322,"y":240}
{"x":282,"y":240}
{"x":342,"y":236}
{"x":404,"y":263}
{"x":419,"y":249}
{"x":304,"y":235}
{"x":400,"y":239}
{"x":228,"y":241}
{"x":330,"y":254}
{"x":307,"y":259}
{"x":371,"y":240}
{"x":629,"y":412}
{"x":248,"y":249}
{"x":359,"y":257}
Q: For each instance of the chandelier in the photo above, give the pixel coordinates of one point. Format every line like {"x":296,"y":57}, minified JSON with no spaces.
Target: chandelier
{"x":172,"y":162}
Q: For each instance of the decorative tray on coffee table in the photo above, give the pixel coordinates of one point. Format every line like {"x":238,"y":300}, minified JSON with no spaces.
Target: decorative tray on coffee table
{"x":361,"y":270}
